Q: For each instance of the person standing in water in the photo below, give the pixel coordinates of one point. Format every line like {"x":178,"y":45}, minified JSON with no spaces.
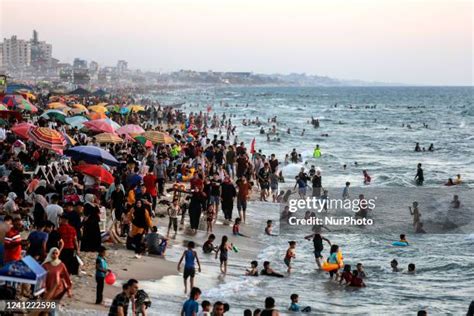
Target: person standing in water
{"x":419,"y":178}
{"x":414,"y":211}
{"x":318,"y":246}
{"x":189,"y":256}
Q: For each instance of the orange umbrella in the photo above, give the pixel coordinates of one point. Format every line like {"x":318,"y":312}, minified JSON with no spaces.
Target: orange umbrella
{"x":108,"y":138}
{"x":97,"y":116}
{"x":47,"y":138}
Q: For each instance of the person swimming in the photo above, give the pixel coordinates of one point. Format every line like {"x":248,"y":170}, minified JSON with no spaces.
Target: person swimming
{"x":268,"y":271}
{"x":403,"y":238}
{"x":253,"y":271}
{"x":411,"y":268}
{"x":394,"y":265}
{"x":269,"y":228}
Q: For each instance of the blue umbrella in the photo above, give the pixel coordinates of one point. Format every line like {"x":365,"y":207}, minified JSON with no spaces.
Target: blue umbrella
{"x":76,"y":121}
{"x":91,"y":154}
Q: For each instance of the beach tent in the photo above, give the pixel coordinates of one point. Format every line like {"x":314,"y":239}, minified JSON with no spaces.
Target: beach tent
{"x":13,"y":87}
{"x":99,"y":93}
{"x":80,"y":92}
{"x":26,"y":270}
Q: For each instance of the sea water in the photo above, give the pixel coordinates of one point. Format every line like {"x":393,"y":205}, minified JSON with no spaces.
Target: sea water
{"x":367,"y":125}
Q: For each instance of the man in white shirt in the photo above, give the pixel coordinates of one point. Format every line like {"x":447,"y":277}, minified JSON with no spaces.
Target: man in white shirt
{"x":54,"y":211}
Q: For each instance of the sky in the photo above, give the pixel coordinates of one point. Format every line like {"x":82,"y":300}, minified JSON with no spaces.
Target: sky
{"x":426,"y":42}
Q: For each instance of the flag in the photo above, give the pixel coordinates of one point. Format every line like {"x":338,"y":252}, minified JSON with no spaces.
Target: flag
{"x":252,"y":146}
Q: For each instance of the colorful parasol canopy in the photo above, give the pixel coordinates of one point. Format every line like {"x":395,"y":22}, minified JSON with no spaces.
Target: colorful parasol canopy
{"x":158,"y":137}
{"x":95,"y":171}
{"x":79,"y":106}
{"x":69,"y":140}
{"x":12,"y":100}
{"x":59,"y":115}
{"x":108,"y":138}
{"x":99,"y":126}
{"x":76,"y":121}
{"x":47,"y":138}
{"x":97,"y":116}
{"x":3,"y":107}
{"x":56,"y":105}
{"x":22,"y":129}
{"x":26,"y":105}
{"x":98,"y":109}
{"x":130,"y":129}
{"x":136,"y":108}
{"x":91,"y":154}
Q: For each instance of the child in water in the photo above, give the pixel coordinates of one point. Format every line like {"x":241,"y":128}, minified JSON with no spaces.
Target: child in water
{"x":269,"y":228}
{"x":394,"y":265}
{"x":333,"y":259}
{"x":253,"y":271}
{"x":208,"y":246}
{"x":411,"y":268}
{"x":346,"y":274}
{"x":224,"y":253}
{"x":361,"y":271}
{"x":403,"y":238}
{"x":290,"y":254}
{"x":236,"y":228}
{"x":356,"y":280}
{"x":295,"y":307}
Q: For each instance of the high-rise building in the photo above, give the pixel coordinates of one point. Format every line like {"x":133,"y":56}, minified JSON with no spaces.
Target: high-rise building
{"x":16,"y":53}
{"x":122,"y":66}
{"x":79,"y":63}
{"x":41,"y":52}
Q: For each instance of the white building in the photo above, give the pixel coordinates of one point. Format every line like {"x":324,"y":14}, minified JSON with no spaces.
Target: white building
{"x":16,"y":53}
{"x":122,"y":66}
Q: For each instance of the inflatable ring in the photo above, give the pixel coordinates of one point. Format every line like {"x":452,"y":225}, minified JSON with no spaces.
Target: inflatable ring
{"x":189,"y":176}
{"x":399,"y":243}
{"x":327,"y":266}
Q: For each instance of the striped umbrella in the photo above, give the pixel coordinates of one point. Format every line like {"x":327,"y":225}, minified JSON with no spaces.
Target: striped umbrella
{"x":22,"y":129}
{"x":108,"y":138}
{"x":47,"y":138}
{"x":158,"y":137}
{"x":25,"y":105}
{"x":12,"y":100}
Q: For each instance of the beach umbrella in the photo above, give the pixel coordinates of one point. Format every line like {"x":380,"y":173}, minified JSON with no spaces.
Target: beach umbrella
{"x":95,"y":171}
{"x":59,"y":115}
{"x":22,"y":129}
{"x":3,"y":122}
{"x":158,"y":137}
{"x":97,"y":116}
{"x":76,"y":121}
{"x":108,"y":138}
{"x":141,"y":139}
{"x":91,"y":154}
{"x":98,"y":108}
{"x":124,"y":111}
{"x":79,"y":106}
{"x":114,"y":124}
{"x":69,"y":140}
{"x":12,"y":100}
{"x":76,"y":111}
{"x":47,"y":138}
{"x":56,"y":105}
{"x":136,"y":108}
{"x":3,"y":107}
{"x":26,"y":105}
{"x":99,"y":126}
{"x":130,"y":129}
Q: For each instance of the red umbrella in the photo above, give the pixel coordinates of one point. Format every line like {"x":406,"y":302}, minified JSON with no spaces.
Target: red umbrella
{"x":99,"y":126}
{"x":96,"y":171}
{"x":22,"y":129}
